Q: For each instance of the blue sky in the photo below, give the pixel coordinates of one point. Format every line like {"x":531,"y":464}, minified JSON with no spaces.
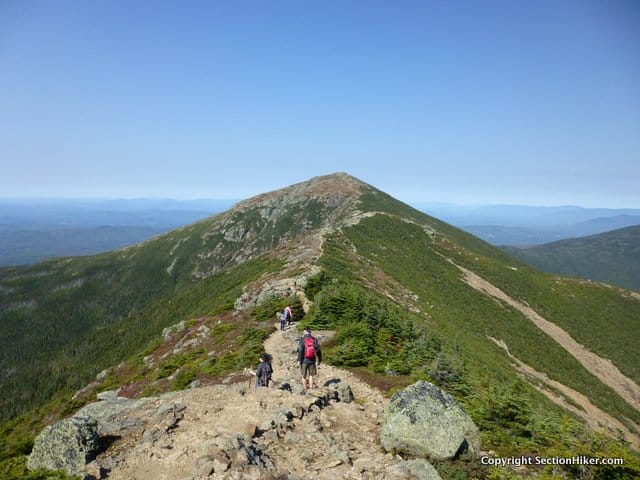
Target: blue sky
{"x":472,"y":102}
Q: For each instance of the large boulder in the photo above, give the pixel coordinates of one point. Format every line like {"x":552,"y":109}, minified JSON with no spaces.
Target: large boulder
{"x":111,"y":413}
{"x":67,"y":445}
{"x":72,"y":443}
{"x":425,"y":422}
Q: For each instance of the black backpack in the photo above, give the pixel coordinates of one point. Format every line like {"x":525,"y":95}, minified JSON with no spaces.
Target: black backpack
{"x":265,"y":374}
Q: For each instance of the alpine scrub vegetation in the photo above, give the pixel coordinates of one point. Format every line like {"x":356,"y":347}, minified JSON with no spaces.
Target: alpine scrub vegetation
{"x":195,"y":305}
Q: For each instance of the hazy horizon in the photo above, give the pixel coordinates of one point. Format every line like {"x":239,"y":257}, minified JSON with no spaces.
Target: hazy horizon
{"x":474,"y":103}
{"x":221,"y":200}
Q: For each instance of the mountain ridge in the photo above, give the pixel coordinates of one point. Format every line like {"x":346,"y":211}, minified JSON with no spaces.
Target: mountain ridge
{"x":386,"y":277}
{"x":610,"y":257}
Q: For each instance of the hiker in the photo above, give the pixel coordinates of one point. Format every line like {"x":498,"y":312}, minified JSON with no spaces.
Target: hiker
{"x":289,"y":314}
{"x":283,"y":320}
{"x":264,"y":370}
{"x":308,"y":354}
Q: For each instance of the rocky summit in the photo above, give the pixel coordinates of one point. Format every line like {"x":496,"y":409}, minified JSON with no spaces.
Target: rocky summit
{"x":441,"y":354}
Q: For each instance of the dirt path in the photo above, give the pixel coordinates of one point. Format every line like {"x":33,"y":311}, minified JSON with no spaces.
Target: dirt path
{"x":602,"y":368}
{"x":282,"y":345}
{"x":592,"y":415}
{"x":338,"y":440}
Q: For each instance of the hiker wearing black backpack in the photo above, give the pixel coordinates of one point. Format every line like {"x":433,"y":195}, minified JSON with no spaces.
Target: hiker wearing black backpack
{"x":264,"y":370}
{"x":308,"y":354}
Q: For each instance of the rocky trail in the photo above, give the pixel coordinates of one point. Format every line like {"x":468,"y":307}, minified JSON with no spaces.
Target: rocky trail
{"x":240,"y":431}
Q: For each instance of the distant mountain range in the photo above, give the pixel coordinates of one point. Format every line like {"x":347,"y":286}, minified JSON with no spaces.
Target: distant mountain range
{"x":36,"y":230}
{"x":545,"y":365}
{"x":524,"y":226}
{"x":611,"y":257}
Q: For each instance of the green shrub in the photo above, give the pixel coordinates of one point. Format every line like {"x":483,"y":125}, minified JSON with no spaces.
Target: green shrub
{"x":252,"y":346}
{"x":315,"y":284}
{"x":221,"y":329}
{"x":183,"y":378}
{"x":373,"y":332}
{"x":151,"y":347}
{"x":222,"y":365}
{"x":150,"y":390}
{"x":444,"y":373}
{"x":355,"y":345}
{"x":15,"y":468}
{"x":16,"y":436}
{"x":167,"y":368}
{"x":254,"y":335}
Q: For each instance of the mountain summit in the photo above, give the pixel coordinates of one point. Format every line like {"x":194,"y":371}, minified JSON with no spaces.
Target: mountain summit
{"x":544,"y":365}
{"x":338,"y":190}
{"x":270,"y":220}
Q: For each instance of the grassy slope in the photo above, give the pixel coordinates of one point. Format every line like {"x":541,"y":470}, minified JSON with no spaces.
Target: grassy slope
{"x":466,"y":317}
{"x":100,"y":328}
{"x":232,"y":342}
{"x":612,"y":257}
{"x":67,"y":319}
{"x":447,"y":345}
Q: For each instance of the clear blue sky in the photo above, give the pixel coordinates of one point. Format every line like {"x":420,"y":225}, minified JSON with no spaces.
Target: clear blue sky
{"x":526,"y":102}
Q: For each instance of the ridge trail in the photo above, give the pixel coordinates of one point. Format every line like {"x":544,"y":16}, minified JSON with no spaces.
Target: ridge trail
{"x":336,"y":441}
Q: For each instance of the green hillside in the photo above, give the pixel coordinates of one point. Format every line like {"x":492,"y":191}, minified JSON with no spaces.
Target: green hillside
{"x":612,"y":257}
{"x":67,"y":319}
{"x":388,"y":278}
{"x":422,"y":263}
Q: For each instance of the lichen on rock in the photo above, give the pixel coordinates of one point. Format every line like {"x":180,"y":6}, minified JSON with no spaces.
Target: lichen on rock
{"x":67,"y":445}
{"x":422,"y":421}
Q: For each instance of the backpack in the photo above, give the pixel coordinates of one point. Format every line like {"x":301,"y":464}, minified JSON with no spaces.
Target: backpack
{"x":265,"y":374}
{"x":309,"y":348}
{"x":283,"y":318}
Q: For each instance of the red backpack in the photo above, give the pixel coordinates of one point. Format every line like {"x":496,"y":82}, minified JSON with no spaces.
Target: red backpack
{"x":309,"y":348}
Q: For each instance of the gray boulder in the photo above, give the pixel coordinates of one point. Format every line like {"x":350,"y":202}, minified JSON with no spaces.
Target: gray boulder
{"x":72,"y":443}
{"x":425,"y":422}
{"x":339,"y":390}
{"x":111,"y":414}
{"x":415,"y":469}
{"x":67,"y":445}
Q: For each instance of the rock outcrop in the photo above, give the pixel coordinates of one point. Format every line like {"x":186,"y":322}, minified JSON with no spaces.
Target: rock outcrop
{"x":423,"y":421}
{"x":234,"y":431}
{"x":416,"y":470}
{"x":339,"y":390}
{"x":69,"y":445}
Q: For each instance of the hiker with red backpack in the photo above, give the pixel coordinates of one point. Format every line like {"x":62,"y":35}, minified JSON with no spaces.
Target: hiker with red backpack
{"x":308,"y":354}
